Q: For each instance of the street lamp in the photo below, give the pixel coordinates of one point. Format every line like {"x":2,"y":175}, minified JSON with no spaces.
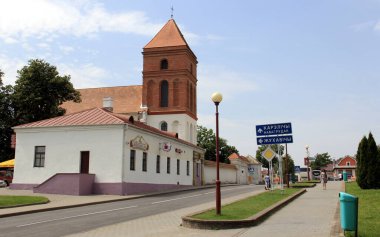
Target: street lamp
{"x":217,"y":98}
{"x":308,"y":162}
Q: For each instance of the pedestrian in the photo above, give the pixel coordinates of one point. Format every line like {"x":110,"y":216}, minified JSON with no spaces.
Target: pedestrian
{"x":324,"y":179}
{"x":340,"y":176}
{"x":267,"y":182}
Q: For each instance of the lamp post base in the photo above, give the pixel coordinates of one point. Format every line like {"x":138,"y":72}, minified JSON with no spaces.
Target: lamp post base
{"x":218,"y":202}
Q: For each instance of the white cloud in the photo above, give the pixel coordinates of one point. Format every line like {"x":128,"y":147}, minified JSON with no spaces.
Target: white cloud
{"x":364,"y":26}
{"x":377,"y":26}
{"x":51,"y":18}
{"x":84,"y":76}
{"x":9,"y":67}
{"x":66,"y":49}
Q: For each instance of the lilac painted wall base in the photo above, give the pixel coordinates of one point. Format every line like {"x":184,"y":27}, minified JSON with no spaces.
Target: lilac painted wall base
{"x":108,"y":188}
{"x":22,"y":186}
{"x":71,"y":184}
{"x":68,"y":184}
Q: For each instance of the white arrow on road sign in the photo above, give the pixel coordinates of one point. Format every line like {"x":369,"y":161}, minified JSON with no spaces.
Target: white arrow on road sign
{"x":260,"y":130}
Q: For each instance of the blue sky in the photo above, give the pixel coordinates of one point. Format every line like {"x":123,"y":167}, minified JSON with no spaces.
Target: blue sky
{"x":313,"y":63}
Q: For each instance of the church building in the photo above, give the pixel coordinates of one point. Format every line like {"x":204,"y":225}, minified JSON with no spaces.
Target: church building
{"x":121,"y":140}
{"x":167,"y":100}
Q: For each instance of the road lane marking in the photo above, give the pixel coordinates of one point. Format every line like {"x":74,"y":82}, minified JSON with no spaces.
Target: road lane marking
{"x":69,"y":217}
{"x":174,"y":199}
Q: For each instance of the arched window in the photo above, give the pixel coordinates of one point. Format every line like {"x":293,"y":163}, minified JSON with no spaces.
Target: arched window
{"x":150,"y":92}
{"x":191,"y":133}
{"x":176,"y":92}
{"x":191,"y":98}
{"x":175,"y":126}
{"x":164,"y":126}
{"x":164,"y":64}
{"x":164,"y":94}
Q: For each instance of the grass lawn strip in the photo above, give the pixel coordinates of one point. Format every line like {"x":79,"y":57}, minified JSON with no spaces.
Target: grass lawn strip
{"x":369,"y":210}
{"x":15,"y":201}
{"x":302,"y":185}
{"x":247,"y":207}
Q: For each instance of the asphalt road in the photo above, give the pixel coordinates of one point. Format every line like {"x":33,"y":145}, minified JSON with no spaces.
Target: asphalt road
{"x":74,"y":220}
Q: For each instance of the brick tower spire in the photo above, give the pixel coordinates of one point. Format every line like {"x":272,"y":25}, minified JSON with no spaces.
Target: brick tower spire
{"x":170,"y":82}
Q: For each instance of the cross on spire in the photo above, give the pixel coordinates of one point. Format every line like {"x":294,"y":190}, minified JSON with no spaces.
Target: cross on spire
{"x":172,"y":9}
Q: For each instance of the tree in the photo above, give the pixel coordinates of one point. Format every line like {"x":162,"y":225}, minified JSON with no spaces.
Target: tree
{"x":368,"y":163}
{"x":6,"y":121}
{"x":321,"y":160}
{"x":206,"y":139}
{"x":39,"y":91}
{"x":290,"y":168}
{"x":372,"y":156}
{"x":361,"y":163}
{"x":1,"y":77}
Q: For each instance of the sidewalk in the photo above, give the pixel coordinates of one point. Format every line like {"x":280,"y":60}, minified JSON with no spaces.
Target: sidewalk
{"x":312,"y":215}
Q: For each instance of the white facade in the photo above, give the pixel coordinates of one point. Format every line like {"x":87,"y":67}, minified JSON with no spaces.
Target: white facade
{"x":183,"y":124}
{"x":227,"y":173}
{"x":109,"y":148}
{"x":62,"y":155}
{"x":156,"y":144}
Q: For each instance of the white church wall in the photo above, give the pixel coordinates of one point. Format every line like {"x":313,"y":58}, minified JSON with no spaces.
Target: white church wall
{"x":177,"y":151}
{"x":183,"y":122}
{"x":62,"y":152}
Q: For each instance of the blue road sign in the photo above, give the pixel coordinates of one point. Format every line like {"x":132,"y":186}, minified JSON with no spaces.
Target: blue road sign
{"x":274,"y":140}
{"x":297,"y":168}
{"x":273,"y":129}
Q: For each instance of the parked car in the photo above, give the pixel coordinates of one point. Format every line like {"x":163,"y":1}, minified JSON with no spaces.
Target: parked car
{"x":2,"y":184}
{"x":6,"y":176}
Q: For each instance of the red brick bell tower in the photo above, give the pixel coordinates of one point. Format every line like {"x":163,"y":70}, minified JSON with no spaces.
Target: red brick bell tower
{"x":169,"y":74}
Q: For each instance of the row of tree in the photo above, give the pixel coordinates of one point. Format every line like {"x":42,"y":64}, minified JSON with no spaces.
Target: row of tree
{"x":37,"y":94}
{"x":368,"y":163}
{"x":206,"y":139}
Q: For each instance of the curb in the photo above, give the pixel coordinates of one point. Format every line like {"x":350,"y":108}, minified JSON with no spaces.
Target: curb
{"x":104,"y":201}
{"x":190,"y":222}
{"x":312,"y":186}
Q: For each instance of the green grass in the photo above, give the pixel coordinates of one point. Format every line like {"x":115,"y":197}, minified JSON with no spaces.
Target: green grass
{"x":247,"y":207}
{"x":369,"y":209}
{"x":9,"y":201}
{"x":302,"y":185}
{"x":314,"y":181}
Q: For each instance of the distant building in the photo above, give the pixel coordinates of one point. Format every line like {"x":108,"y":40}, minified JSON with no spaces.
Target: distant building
{"x":347,"y":164}
{"x":248,"y":169}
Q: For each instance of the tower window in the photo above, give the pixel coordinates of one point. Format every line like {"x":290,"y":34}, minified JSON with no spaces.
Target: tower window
{"x":164,"y":64}
{"x":164,"y":126}
{"x":164,"y":94}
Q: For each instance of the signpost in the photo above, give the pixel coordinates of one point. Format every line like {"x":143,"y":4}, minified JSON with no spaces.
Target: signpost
{"x":269,"y":134}
{"x":269,"y":154}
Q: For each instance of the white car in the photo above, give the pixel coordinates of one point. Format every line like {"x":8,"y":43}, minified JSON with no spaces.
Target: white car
{"x":3,"y":184}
